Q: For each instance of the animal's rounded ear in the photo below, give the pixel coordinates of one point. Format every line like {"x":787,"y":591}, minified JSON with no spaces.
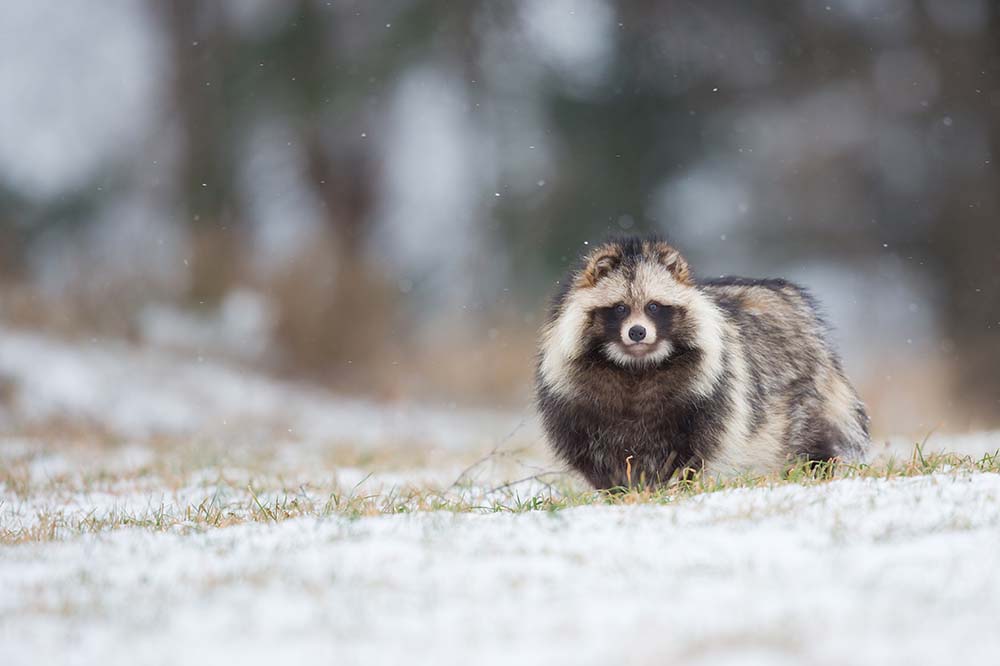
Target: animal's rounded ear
{"x":674,"y":262}
{"x":598,"y":266}
{"x":604,"y":265}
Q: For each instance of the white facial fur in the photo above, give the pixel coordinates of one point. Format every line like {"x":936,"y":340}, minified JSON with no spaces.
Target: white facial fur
{"x":562,"y":339}
{"x":661,"y":351}
{"x":648,"y":351}
{"x":638,"y":319}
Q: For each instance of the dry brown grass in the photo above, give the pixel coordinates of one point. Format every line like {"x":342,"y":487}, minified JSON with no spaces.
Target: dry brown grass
{"x":239,"y":495}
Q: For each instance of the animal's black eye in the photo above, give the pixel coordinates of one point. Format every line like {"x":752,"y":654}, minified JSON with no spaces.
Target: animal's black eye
{"x":621,"y":310}
{"x":653,"y":308}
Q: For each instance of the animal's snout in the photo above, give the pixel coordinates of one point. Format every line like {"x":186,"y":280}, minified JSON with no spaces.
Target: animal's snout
{"x":637,"y":333}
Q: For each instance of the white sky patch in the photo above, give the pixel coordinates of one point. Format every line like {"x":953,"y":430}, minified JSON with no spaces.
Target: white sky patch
{"x":573,"y":37}
{"x":284,"y":211}
{"x":703,"y":203}
{"x":428,"y":216}
{"x":858,"y":305}
{"x":817,"y":126}
{"x":81,"y":86}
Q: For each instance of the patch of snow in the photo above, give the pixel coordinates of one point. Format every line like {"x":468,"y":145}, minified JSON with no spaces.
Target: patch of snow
{"x":858,"y":571}
{"x":139,"y":393}
{"x":242,"y":327}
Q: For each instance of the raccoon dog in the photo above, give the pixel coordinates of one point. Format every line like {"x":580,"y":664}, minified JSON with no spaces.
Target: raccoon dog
{"x":644,"y":371}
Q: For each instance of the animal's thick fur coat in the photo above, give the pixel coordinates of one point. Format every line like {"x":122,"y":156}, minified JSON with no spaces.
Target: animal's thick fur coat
{"x":644,"y":371}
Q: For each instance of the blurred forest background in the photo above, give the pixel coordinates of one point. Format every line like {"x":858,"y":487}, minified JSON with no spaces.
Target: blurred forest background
{"x":379,"y":196}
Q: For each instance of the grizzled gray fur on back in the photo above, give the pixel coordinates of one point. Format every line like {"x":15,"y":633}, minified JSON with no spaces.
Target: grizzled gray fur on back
{"x":644,"y":371}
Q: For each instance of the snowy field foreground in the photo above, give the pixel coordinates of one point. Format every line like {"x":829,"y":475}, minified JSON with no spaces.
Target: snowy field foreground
{"x":161,"y":510}
{"x":870,"y":572}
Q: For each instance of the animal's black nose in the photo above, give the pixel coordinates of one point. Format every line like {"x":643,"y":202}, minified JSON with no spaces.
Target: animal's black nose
{"x":637,"y":333}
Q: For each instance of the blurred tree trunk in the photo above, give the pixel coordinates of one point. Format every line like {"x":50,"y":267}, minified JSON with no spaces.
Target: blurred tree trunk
{"x":357,"y":301}
{"x":339,"y":316}
{"x":343,"y":182}
{"x":11,"y":252}
{"x":199,"y":46}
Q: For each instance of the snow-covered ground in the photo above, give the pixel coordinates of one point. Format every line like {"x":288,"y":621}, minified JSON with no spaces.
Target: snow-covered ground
{"x":874,"y":572}
{"x":138,"y":392}
{"x":107,"y":558}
